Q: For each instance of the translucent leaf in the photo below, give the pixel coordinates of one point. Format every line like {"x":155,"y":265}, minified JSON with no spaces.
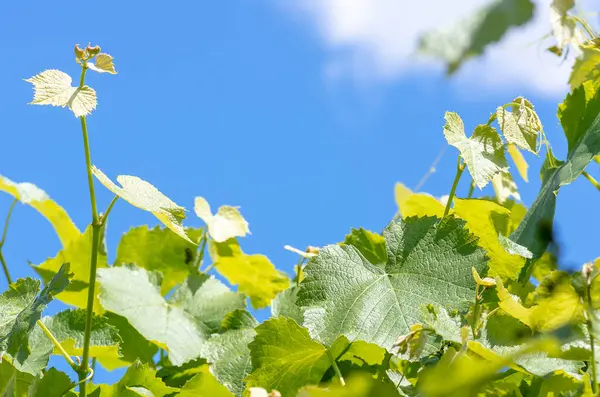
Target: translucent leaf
{"x":14,"y":383}
{"x":505,"y":187}
{"x":134,"y":346}
{"x":285,"y":358}
{"x":520,"y":127}
{"x":285,"y":305}
{"x":53,"y":87}
{"x":513,"y":248}
{"x":103,"y":63}
{"x":255,"y":275}
{"x":415,"y":204}
{"x":227,"y":223}
{"x":158,"y":249}
{"x":53,"y":384}
{"x":586,"y":67}
{"x":428,"y":262}
{"x":483,"y":152}
{"x":470,"y":36}
{"x":129,"y":292}
{"x":357,"y":385}
{"x":78,"y":254}
{"x":31,"y":195}
{"x":21,"y":307}
{"x":519,"y":161}
{"x":141,"y":194}
{"x":564,"y":28}
{"x":137,"y":375}
{"x":204,"y":384}
{"x":580,"y":118}
{"x":371,"y":245}
{"x":361,"y":352}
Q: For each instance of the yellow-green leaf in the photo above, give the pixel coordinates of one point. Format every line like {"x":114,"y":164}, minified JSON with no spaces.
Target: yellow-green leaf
{"x":103,"y":64}
{"x":143,"y":195}
{"x":255,"y":275}
{"x":35,"y":197}
{"x":505,"y":187}
{"x":586,"y":67}
{"x":53,"y":87}
{"x":227,"y":223}
{"x":519,"y":161}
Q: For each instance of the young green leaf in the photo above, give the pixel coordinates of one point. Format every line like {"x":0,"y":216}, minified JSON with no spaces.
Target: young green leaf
{"x":35,"y":197}
{"x":134,"y":346}
{"x":143,"y":195}
{"x":586,"y":67}
{"x":285,"y":358}
{"x":371,"y":245}
{"x":103,"y":63}
{"x":138,"y":375}
{"x":358,"y":385}
{"x":129,"y":292}
{"x":78,"y":254}
{"x":428,"y":262}
{"x":158,"y":249}
{"x":53,"y":384}
{"x":519,"y":161}
{"x":564,"y":27}
{"x":204,"y":384}
{"x":227,"y":223}
{"x":483,"y":152}
{"x":505,"y":187}
{"x":53,"y":87}
{"x":470,"y":37}
{"x":255,"y":275}
{"x":21,"y":307}
{"x":522,"y":126}
{"x":14,"y":382}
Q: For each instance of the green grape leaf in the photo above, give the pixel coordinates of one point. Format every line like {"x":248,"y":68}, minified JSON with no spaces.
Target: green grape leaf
{"x":54,"y":383}
{"x":285,"y":358}
{"x":519,"y":161}
{"x":520,"y":127}
{"x":361,"y":352}
{"x":78,"y":254}
{"x":469,"y":37}
{"x":103,"y":63}
{"x":204,"y":384}
{"x":158,"y":249}
{"x":371,"y":245}
{"x":580,"y":118}
{"x":483,"y":152}
{"x":14,"y":383}
{"x":357,"y":385}
{"x":207,"y":300}
{"x":586,"y":67}
{"x":134,"y":346}
{"x":137,"y":375}
{"x":428,"y":262}
{"x":255,"y":275}
{"x":53,"y":87}
{"x":143,"y":195}
{"x":285,"y":305}
{"x":21,"y":307}
{"x":505,"y":187}
{"x":35,"y":197}
{"x":227,"y":223}
{"x":129,"y":292}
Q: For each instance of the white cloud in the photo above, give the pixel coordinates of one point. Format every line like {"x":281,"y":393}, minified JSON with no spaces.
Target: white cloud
{"x":375,"y":41}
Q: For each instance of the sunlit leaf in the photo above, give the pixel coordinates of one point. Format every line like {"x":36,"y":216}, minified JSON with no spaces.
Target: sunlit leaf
{"x":137,"y":375}
{"x":103,"y":63}
{"x":519,"y":161}
{"x":53,"y":87}
{"x":31,"y":195}
{"x":586,"y":67}
{"x":227,"y":223}
{"x":141,"y":194}
{"x":564,"y":27}
{"x":505,"y":187}
{"x":371,"y":245}
{"x":204,"y":384}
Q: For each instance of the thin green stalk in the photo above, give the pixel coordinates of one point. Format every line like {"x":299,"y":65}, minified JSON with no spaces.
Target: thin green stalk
{"x":301,"y":261}
{"x":6,"y":272}
{"x":475,"y":313}
{"x":592,"y":180}
{"x":84,"y":369}
{"x":200,"y":257}
{"x":57,"y":345}
{"x":7,"y":221}
{"x":586,"y":26}
{"x":459,"y":170}
{"x":471,"y":189}
{"x":336,"y":369}
{"x":592,"y":340}
{"x":104,"y":216}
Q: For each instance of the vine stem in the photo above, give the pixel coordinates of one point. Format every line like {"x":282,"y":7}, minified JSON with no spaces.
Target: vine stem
{"x":459,"y":170}
{"x":592,"y":340}
{"x":84,"y":369}
{"x":6,"y":223}
{"x":336,"y":369}
{"x":592,"y":180}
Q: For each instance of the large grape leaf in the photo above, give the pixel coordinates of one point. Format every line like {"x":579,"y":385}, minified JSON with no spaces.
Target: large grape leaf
{"x":35,"y":197}
{"x":130,"y":292}
{"x":469,"y":37}
{"x":254,"y":275}
{"x":53,"y":384}
{"x":227,"y":223}
{"x":580,"y":117}
{"x":586,"y":67}
{"x":158,"y":249}
{"x":138,"y":375}
{"x":285,"y":304}
{"x":134,"y":346}
{"x":143,"y":195}
{"x":428,"y":262}
{"x":285,"y":358}
{"x":483,"y":152}
{"x":21,"y":307}
{"x":78,"y":255}
{"x":53,"y":87}
{"x":14,"y":383}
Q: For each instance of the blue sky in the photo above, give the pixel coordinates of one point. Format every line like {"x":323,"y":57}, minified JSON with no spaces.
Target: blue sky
{"x":304,"y":120}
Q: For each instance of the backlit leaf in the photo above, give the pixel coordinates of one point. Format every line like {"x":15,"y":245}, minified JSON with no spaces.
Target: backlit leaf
{"x":505,"y":187}
{"x":141,"y":194}
{"x":137,"y":375}
{"x":564,"y":28}
{"x":428,"y":262}
{"x":53,"y":87}
{"x":227,"y":223}
{"x":519,"y":161}
{"x":483,"y":152}
{"x":586,"y":67}
{"x":371,"y":245}
{"x":103,"y":63}
{"x":204,"y":384}
{"x":35,"y":197}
